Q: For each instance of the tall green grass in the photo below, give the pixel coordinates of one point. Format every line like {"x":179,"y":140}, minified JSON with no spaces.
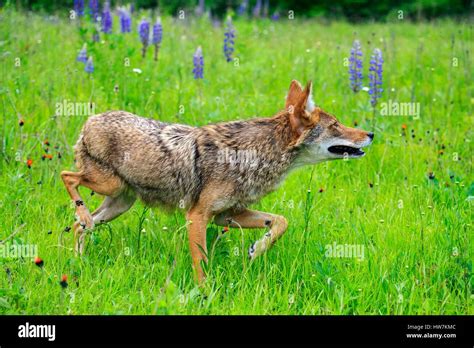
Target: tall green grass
{"x":416,"y":231}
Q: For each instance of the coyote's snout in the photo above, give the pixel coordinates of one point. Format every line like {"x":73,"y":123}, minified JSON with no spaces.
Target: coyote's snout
{"x":213,"y":172}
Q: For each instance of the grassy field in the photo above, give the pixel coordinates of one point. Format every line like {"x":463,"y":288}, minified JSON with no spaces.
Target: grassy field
{"x":406,"y":202}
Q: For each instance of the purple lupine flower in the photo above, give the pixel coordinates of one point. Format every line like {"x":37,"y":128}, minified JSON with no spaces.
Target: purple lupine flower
{"x":198,"y":62}
{"x":157,"y":32}
{"x":157,"y":36}
{"x":89,"y":66}
{"x":79,"y":7}
{"x":375,"y":76}
{"x":82,"y":56}
{"x":94,"y":9}
{"x":243,"y":7}
{"x":257,"y":8}
{"x":355,"y":67}
{"x":125,"y":20}
{"x":144,"y":32}
{"x":229,"y":37}
{"x":107,"y":19}
{"x":275,"y":16}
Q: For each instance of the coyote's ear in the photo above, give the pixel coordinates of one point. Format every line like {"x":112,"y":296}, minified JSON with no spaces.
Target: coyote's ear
{"x":309,"y":105}
{"x":299,"y":98}
{"x":293,"y":94}
{"x":300,"y":112}
{"x":306,"y":98}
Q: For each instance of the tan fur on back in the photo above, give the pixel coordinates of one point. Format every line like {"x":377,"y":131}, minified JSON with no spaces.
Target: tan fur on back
{"x":170,"y":164}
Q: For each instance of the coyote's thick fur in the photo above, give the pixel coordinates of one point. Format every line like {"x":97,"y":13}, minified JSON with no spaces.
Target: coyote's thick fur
{"x":214,"y":171}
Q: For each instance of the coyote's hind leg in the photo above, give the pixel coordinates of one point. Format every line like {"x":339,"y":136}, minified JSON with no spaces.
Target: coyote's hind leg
{"x":72,"y":181}
{"x":84,"y":218}
{"x":100,"y":180}
{"x":112,"y":207}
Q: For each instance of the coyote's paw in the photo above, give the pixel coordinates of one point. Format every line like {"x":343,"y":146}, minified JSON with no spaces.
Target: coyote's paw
{"x":260,"y":246}
{"x":252,"y":252}
{"x":84,"y":219}
{"x":79,"y":234}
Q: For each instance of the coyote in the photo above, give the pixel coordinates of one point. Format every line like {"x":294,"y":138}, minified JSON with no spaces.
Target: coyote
{"x":213,"y":172}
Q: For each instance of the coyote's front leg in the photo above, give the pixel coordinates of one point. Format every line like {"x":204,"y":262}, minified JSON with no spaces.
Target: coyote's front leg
{"x":197,"y":222}
{"x":277,"y":225}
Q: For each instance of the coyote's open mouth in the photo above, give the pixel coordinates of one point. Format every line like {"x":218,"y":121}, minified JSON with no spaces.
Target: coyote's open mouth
{"x":342,"y":150}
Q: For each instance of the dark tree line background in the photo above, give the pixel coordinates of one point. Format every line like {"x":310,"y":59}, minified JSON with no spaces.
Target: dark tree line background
{"x":353,"y":10}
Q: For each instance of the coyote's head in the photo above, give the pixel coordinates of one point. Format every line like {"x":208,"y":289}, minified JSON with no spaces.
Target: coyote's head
{"x":321,"y":136}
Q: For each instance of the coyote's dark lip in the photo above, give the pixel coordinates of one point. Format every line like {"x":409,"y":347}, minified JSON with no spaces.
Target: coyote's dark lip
{"x":342,"y":150}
